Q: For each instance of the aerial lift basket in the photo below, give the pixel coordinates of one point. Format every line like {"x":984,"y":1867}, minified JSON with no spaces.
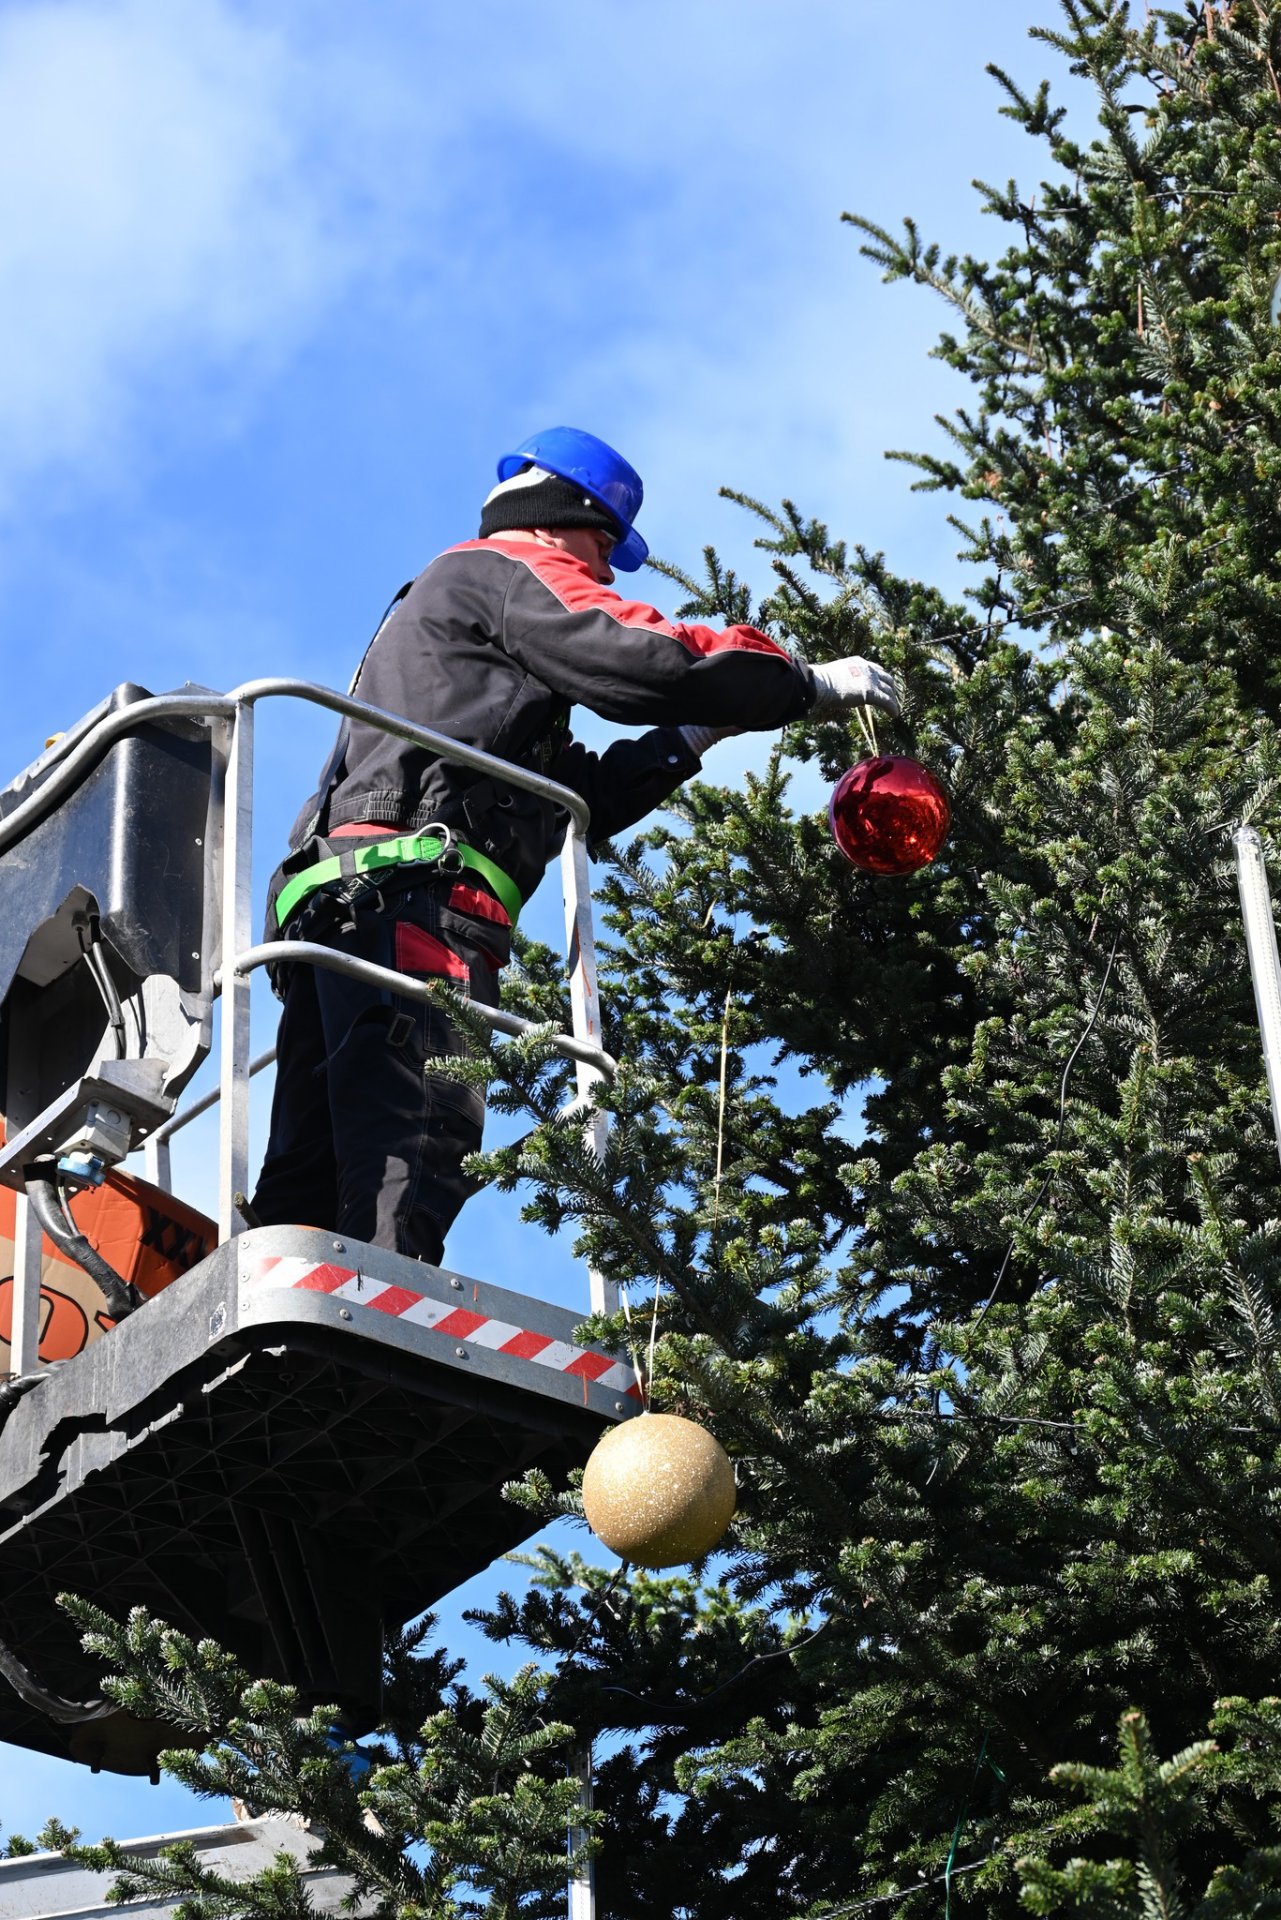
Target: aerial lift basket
{"x":296,"y":1441}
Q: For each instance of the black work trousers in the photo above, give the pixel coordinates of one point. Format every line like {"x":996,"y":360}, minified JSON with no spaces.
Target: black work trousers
{"x":363,"y":1141}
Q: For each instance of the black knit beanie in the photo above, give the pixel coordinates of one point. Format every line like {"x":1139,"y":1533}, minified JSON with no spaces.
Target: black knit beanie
{"x":534,"y":498}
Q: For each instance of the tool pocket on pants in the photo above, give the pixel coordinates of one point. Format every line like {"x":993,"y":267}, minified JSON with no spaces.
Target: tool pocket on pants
{"x":477,"y":925}
{"x":455,"y":1111}
{"x":417,"y":951}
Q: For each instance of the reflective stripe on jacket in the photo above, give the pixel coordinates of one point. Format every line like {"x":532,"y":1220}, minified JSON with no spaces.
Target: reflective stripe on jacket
{"x":492,"y":645}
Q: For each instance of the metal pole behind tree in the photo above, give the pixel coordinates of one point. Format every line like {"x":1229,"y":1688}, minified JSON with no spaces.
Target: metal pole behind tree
{"x":580,"y":946}
{"x":582,"y":1889}
{"x":1265,"y":964}
{"x":237,"y":933}
{"x":24,"y":1331}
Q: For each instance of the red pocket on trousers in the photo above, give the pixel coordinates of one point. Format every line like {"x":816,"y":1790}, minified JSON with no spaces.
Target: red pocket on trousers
{"x":482,"y":906}
{"x":419,"y":952}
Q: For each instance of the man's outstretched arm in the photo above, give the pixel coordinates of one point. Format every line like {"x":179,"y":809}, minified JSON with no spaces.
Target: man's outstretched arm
{"x":628,"y":662}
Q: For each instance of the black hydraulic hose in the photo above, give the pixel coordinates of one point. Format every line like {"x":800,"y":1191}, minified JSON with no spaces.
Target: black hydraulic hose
{"x":67,"y":1713}
{"x":91,"y":948}
{"x":107,"y":988}
{"x":40,"y":1180}
{"x":13,"y":1390}
{"x":20,"y":1677}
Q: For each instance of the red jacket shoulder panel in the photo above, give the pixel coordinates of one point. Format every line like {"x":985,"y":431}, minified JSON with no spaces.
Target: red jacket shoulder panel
{"x":571,"y":582}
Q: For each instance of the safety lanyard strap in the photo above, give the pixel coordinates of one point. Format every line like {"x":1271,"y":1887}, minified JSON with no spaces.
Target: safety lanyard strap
{"x":395,"y":853}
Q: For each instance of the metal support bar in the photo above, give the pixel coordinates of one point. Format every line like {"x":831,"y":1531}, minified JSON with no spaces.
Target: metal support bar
{"x":399,"y":728}
{"x":157,"y":1162}
{"x":1265,"y":965}
{"x":582,"y":1888}
{"x":71,"y":768}
{"x":237,"y":911}
{"x":331,"y":960}
{"x":236,"y":710}
{"x":155,"y":1153}
{"x":166,"y":1132}
{"x":584,"y":1003}
{"x":24,"y":1335}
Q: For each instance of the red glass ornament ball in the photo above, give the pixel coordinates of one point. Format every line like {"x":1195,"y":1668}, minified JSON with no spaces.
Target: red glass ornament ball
{"x":889,"y":815}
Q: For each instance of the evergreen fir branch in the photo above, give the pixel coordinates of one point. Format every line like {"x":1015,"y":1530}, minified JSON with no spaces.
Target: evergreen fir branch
{"x":909,"y":260}
{"x":480,"y":1785}
{"x":1035,"y":116}
{"x":952,"y":1523}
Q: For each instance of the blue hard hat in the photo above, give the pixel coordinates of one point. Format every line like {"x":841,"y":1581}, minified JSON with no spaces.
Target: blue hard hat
{"x":588,"y":463}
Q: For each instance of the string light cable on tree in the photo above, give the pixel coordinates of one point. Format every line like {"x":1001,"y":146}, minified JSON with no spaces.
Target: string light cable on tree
{"x":1044,"y":1187}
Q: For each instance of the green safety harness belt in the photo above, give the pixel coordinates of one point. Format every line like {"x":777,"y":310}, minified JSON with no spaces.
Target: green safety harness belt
{"x":407,"y":851}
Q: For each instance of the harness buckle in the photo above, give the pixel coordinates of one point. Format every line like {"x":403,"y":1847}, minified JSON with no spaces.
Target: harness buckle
{"x":450,"y":858}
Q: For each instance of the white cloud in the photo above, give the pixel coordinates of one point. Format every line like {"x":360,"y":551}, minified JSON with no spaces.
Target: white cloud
{"x":555,"y":214}
{"x":684,"y":286}
{"x":176,"y":198}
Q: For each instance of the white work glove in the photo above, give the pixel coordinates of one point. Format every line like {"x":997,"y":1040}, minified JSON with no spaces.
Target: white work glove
{"x":699,"y":739}
{"x":852,"y":682}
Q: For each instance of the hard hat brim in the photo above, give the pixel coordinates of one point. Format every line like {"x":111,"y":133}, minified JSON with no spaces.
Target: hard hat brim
{"x":630,"y":553}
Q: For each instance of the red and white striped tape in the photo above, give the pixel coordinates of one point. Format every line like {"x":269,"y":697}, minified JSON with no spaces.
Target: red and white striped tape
{"x":458,"y":1323}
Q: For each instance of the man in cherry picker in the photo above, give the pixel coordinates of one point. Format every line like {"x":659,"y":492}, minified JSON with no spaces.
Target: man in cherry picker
{"x":407,"y":860}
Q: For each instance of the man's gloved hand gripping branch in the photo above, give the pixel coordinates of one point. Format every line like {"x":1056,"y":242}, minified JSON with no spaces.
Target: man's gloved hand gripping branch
{"x":492,"y":644}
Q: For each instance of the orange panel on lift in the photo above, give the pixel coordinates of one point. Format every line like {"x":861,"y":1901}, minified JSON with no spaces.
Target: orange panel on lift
{"x":147,"y":1236}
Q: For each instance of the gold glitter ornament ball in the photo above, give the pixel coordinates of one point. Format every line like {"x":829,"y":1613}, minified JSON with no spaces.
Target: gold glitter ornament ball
{"x":659,"y":1490}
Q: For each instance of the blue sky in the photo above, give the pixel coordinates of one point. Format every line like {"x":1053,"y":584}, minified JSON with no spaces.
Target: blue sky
{"x":279,"y":284}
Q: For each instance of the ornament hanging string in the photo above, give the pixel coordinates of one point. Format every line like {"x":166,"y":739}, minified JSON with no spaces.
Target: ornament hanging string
{"x":653,"y":1334}
{"x":716,"y":1203}
{"x":720,"y":1149}
{"x":716,"y":1192}
{"x":642,"y":1384}
{"x":867,"y":726}
{"x":720,"y":1115}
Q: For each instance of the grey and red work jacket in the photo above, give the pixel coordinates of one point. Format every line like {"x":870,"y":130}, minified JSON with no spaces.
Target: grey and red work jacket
{"x":492,"y":645}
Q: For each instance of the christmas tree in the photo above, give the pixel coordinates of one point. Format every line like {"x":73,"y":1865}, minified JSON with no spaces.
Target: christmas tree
{"x":953,"y":1197}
